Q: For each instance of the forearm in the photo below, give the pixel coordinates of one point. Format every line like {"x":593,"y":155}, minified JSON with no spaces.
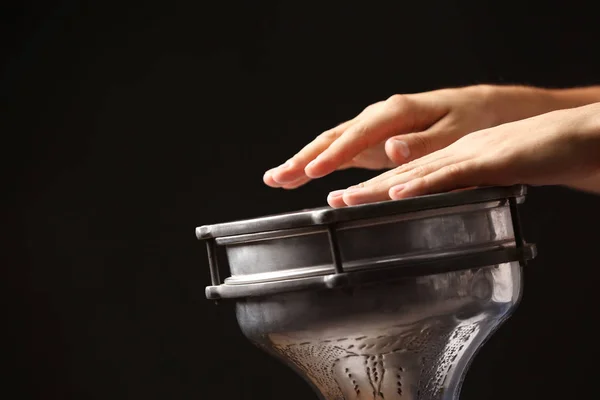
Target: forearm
{"x":513,"y":102}
{"x":574,"y":97}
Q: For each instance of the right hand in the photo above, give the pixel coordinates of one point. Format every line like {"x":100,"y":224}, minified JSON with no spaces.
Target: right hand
{"x":555,"y":148}
{"x":406,"y":127}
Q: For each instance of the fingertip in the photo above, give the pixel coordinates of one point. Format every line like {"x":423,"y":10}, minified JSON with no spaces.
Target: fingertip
{"x":296,"y":184}
{"x":268,"y":179}
{"x":413,"y":188}
{"x":397,"y":150}
{"x":349,"y":198}
{"x":396,"y":192}
{"x":283,"y":177}
{"x":335,"y":200}
{"x":317,"y":168}
{"x":312,"y":170}
{"x":285,"y":173}
{"x":336,"y":203}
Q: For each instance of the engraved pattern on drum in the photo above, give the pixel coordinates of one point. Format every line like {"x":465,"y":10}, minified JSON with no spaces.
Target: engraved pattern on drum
{"x":411,"y":365}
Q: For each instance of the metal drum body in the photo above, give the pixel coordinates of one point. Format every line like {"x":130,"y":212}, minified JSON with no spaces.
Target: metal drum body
{"x":381,"y":301}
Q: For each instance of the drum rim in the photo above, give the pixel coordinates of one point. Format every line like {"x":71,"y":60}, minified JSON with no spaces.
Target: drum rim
{"x":327,"y":215}
{"x":347,"y":280}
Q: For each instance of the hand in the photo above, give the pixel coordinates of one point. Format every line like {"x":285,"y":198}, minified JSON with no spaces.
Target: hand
{"x":406,"y":127}
{"x":557,"y":148}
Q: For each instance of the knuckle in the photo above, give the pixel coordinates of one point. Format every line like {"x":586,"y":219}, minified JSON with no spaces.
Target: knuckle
{"x":358,"y":185}
{"x":361,"y":129}
{"x":404,"y":104}
{"x":400,"y":169}
{"x":404,"y":167}
{"x":371,"y":107}
{"x":368,"y":183}
{"x":331,"y":134}
{"x":360,"y":136}
{"x":397,"y":100}
{"x":419,"y":171}
{"x":412,"y":163}
{"x":454,"y":170}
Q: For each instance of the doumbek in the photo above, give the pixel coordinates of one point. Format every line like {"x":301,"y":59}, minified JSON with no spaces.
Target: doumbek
{"x":381,"y":301}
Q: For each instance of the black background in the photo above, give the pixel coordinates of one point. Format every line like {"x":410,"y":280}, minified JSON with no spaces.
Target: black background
{"x":127,"y":124}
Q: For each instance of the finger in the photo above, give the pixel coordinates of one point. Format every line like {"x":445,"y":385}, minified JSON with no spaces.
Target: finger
{"x":390,"y":118}
{"x":380,"y":190}
{"x":374,"y":158}
{"x":293,"y":169}
{"x":334,"y":199}
{"x":347,"y":165}
{"x":405,"y":148}
{"x":397,"y":115}
{"x":451,"y":177}
{"x":268,"y":179}
{"x":297,"y":183}
{"x":415,"y":164}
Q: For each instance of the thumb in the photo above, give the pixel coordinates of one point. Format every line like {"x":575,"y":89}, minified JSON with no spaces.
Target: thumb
{"x":405,"y":148}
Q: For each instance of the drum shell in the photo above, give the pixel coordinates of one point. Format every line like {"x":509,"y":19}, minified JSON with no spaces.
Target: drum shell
{"x":408,"y":238}
{"x":402,"y":322}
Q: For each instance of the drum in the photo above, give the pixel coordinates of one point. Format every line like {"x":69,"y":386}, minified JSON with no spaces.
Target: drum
{"x":380,"y":301}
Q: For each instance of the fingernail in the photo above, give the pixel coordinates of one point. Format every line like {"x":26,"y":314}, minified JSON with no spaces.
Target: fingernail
{"x":395,"y":191}
{"x":401,"y":147}
{"x":336,"y":193}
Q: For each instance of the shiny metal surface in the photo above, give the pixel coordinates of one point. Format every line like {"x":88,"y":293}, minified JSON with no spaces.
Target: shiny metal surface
{"x":366,"y":243}
{"x":409,"y":339}
{"x":387,"y":301}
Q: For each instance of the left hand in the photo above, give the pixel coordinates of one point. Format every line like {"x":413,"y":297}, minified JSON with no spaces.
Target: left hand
{"x":557,"y":148}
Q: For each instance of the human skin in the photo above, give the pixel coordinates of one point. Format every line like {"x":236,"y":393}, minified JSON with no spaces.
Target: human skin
{"x":557,"y":148}
{"x":411,"y":131}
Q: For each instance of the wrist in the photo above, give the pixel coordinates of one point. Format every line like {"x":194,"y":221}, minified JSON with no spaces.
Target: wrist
{"x":582,"y":124}
{"x":590,"y":125}
{"x":509,"y":103}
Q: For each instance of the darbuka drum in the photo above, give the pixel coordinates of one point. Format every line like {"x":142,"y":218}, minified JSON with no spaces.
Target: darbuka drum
{"x":380,"y":301}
